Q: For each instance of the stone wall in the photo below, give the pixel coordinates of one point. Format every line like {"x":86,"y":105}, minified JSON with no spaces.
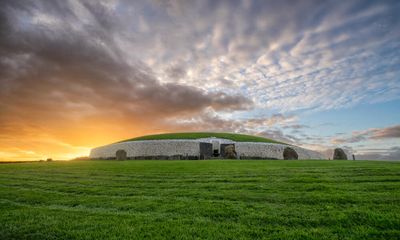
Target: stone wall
{"x":254,"y":150}
{"x":190,"y":149}
{"x":159,"y":148}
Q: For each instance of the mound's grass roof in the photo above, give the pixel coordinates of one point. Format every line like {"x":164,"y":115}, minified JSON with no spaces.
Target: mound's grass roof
{"x":196,"y":135}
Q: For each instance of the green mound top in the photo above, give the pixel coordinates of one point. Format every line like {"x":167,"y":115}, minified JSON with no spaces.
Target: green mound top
{"x":195,"y":135}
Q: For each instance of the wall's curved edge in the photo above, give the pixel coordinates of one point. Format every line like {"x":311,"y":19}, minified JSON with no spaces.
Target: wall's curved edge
{"x":161,"y":149}
{"x":348,"y":153}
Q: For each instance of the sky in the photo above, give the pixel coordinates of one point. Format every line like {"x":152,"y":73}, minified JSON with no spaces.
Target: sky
{"x":319,"y":74}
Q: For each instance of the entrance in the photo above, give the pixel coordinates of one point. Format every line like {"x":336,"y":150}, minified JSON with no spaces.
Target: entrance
{"x":215,"y":147}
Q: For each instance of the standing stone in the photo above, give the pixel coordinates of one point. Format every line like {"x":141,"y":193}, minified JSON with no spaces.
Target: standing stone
{"x":121,"y":154}
{"x":339,"y":154}
{"x":290,"y":154}
{"x":230,"y":152}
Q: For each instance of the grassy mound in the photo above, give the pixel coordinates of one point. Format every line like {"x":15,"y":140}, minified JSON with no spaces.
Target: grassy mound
{"x":196,"y":135}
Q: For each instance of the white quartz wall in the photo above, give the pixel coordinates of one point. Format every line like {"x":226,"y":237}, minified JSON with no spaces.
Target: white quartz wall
{"x":212,"y":139}
{"x":271,"y":150}
{"x":149,"y":148}
{"x":192,"y":148}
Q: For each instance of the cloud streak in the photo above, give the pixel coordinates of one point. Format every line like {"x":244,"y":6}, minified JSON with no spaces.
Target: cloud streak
{"x":370,"y":134}
{"x":386,"y":154}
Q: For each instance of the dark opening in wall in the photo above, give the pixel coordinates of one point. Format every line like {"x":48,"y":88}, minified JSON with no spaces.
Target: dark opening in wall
{"x":215,"y":153}
{"x":215,"y":147}
{"x":206,"y":151}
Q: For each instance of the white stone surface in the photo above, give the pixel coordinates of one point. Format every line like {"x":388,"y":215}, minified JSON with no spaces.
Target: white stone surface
{"x":271,"y":150}
{"x":212,"y":139}
{"x":149,"y":148}
{"x":192,"y":148}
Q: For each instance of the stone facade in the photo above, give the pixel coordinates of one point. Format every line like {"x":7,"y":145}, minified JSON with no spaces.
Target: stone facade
{"x":159,"y":149}
{"x":198,"y":149}
{"x":255,"y":150}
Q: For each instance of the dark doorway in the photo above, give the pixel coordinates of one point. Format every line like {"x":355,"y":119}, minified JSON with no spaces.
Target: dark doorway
{"x":206,"y":151}
{"x":215,"y":153}
{"x":215,"y":148}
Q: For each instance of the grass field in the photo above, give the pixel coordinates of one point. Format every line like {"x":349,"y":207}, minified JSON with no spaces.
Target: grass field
{"x":196,"y":135}
{"x":200,"y":200}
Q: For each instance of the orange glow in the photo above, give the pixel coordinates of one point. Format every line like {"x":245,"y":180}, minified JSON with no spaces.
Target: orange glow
{"x":64,"y":141}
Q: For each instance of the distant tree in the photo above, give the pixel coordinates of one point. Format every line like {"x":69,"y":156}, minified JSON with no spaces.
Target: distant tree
{"x":49,"y":160}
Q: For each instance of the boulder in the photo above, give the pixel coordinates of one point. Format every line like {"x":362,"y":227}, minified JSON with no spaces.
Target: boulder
{"x":339,"y":154}
{"x":230,"y":152}
{"x":120,"y":155}
{"x":290,"y":154}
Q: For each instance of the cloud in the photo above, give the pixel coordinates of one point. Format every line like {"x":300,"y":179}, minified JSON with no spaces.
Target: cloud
{"x":388,"y":132}
{"x":382,"y":154}
{"x":62,"y":70}
{"x":295,"y":126}
{"x":211,"y":121}
{"x":370,"y":134}
{"x":176,"y":72}
{"x":285,"y":56}
{"x":323,"y":64}
{"x":278,"y":135}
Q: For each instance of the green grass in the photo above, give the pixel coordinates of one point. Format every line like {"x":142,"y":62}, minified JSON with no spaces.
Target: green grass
{"x":196,"y":135}
{"x":219,"y":199}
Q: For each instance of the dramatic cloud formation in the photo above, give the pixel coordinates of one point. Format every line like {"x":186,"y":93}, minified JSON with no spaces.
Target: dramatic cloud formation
{"x":213,"y":122}
{"x":67,"y":71}
{"x":76,"y":74}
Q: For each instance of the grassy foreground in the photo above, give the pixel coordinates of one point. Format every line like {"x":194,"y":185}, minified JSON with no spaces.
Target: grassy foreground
{"x":200,"y":200}
{"x":195,"y":135}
